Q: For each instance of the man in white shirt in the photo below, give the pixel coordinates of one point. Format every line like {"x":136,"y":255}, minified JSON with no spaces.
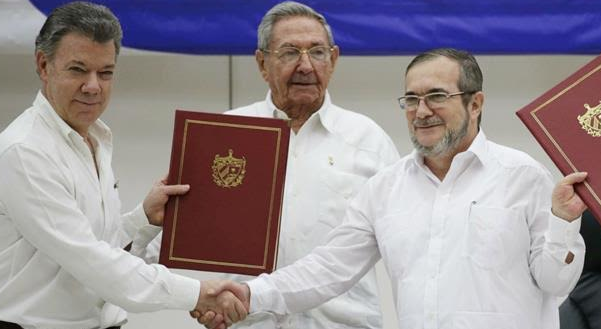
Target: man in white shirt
{"x":472,"y":233}
{"x":62,"y":238}
{"x":332,"y":153}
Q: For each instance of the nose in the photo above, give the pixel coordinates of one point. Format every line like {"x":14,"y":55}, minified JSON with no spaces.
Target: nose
{"x":304,"y":64}
{"x":422,"y":110}
{"x":91,"y":85}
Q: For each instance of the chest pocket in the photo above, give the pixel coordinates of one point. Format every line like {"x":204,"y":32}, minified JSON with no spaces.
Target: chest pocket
{"x":494,"y":236}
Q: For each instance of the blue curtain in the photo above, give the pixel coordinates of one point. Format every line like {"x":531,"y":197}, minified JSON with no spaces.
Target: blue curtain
{"x":367,"y":27}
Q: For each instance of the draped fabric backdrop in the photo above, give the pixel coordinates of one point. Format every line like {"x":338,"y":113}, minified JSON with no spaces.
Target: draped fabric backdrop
{"x":375,"y":27}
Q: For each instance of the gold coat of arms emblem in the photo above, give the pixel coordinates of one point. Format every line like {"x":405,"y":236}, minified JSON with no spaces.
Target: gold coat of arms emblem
{"x":591,"y":120}
{"x":228,"y":171}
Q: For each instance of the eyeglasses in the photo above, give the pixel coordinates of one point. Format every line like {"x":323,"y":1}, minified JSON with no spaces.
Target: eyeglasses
{"x":289,"y":55}
{"x":433,"y":100}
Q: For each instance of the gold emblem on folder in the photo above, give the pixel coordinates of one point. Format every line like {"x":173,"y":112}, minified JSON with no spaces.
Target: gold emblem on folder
{"x":591,"y":120}
{"x":228,"y":171}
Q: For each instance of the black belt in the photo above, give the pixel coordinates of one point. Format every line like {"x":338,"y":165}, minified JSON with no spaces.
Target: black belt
{"x":10,"y":325}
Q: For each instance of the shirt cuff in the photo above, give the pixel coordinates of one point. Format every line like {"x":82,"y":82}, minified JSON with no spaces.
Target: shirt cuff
{"x":185,"y":292}
{"x":259,"y":294}
{"x":146,"y":234}
{"x":137,"y":217}
{"x":563,"y":232}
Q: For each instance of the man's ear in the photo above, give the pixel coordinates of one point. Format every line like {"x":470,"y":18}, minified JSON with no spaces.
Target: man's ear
{"x":42,"y":63}
{"x":335,"y":53}
{"x":260,"y":58}
{"x":477,"y":103}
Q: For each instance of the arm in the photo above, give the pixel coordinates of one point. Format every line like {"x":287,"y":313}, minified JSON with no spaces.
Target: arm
{"x":557,"y":250}
{"x":326,"y":272}
{"x":46,"y":214}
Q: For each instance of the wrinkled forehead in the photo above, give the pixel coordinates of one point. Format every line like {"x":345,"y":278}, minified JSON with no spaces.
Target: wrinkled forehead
{"x":299,"y":31}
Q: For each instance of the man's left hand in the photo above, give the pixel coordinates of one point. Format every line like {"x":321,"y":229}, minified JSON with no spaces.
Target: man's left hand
{"x":154,"y":203}
{"x":566,"y":204}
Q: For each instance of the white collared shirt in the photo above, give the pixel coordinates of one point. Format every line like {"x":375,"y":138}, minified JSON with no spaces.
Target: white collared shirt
{"x":480,"y":249}
{"x":329,"y":159}
{"x":62,"y":263}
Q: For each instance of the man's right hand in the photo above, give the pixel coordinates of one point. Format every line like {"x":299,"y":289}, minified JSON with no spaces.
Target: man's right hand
{"x":154,"y":203}
{"x":221,"y":303}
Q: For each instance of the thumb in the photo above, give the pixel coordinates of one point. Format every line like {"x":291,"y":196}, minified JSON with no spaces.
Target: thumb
{"x":176,"y":189}
{"x":573,"y":178}
{"x":216,"y":288}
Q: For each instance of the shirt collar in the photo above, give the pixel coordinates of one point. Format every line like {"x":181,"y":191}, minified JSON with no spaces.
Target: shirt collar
{"x":98,"y":129}
{"x":323,"y":114}
{"x":478,"y":149}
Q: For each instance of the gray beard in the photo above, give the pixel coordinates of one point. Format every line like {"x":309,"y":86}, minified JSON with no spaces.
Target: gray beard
{"x":448,"y":143}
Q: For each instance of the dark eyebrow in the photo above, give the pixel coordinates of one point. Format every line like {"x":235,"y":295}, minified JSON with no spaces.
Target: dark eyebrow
{"x":437,"y":90}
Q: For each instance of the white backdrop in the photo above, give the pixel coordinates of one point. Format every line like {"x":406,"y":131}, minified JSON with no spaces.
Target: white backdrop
{"x":150,"y":86}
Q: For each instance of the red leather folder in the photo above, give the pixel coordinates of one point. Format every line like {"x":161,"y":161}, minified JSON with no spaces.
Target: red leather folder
{"x":566,"y":121}
{"x":229,"y":221}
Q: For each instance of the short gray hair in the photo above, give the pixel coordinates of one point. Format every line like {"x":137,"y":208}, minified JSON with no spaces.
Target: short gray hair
{"x":94,"y":21}
{"x":284,"y":10}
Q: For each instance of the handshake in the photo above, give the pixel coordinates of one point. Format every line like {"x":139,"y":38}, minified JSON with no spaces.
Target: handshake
{"x":221,"y":303}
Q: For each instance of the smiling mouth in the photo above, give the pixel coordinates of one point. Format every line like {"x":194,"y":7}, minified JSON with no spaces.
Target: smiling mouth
{"x":426,"y":125}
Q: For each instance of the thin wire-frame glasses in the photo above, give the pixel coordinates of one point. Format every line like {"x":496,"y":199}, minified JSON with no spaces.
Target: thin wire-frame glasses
{"x":292,"y":54}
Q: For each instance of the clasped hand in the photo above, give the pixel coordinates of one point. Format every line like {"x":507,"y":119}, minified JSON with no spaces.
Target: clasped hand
{"x":221,"y":303}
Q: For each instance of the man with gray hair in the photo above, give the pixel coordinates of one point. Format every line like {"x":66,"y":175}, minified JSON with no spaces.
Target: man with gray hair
{"x":332,"y":153}
{"x":62,"y":237}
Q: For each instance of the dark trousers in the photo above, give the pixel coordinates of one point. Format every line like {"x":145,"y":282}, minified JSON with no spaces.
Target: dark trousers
{"x":581,"y":309}
{"x":8,"y":325}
